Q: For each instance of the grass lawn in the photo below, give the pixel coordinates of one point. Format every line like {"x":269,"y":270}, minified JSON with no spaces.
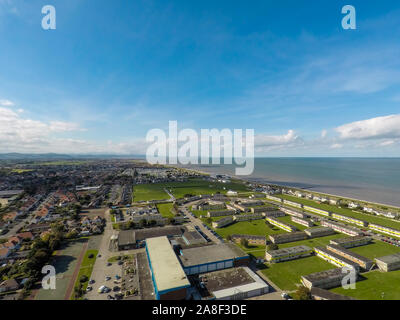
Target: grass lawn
{"x":376,"y":249}
{"x":196,"y":186}
{"x":286,"y":275}
{"x":166,"y":210}
{"x":256,"y":227}
{"x":346,"y":212}
{"x":147,"y":192}
{"x":315,"y":242}
{"x":375,"y":286}
{"x":86,"y":268}
{"x":288,"y":220}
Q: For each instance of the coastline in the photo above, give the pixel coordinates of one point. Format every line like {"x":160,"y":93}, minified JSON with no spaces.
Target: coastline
{"x":256,"y":180}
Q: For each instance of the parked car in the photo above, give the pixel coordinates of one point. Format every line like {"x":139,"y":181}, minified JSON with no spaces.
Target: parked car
{"x":108,"y":278}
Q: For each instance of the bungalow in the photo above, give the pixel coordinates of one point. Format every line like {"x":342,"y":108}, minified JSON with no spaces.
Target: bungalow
{"x":9,"y":285}
{"x":4,"y":253}
{"x":25,"y":236}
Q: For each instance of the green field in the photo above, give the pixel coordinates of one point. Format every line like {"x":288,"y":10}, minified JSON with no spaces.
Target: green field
{"x":86,"y":268}
{"x":196,"y":186}
{"x":375,"y":286}
{"x":315,"y":242}
{"x":256,"y":227}
{"x":148,"y":192}
{"x":288,"y":220}
{"x":166,"y":210}
{"x":376,"y":249}
{"x":286,"y":275}
{"x":346,"y":212}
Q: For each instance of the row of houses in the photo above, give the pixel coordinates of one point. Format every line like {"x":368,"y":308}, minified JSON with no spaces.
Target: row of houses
{"x":363,"y":262}
{"x":286,"y":254}
{"x":352,"y":220}
{"x":282,"y":225}
{"x":304,"y":222}
{"x":338,"y":227}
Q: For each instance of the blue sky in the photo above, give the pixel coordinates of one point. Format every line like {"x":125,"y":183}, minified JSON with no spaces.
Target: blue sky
{"x":112,"y":70}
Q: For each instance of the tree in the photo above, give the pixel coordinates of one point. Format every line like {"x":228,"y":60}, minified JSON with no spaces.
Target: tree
{"x":272,"y":247}
{"x":303,"y":293}
{"x":244,"y":242}
{"x":83,"y":278}
{"x":229,"y":237}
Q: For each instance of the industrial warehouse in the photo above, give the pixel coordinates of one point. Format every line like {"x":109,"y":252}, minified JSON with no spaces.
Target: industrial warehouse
{"x":230,"y":284}
{"x":288,"y":254}
{"x":169,"y":279}
{"x":212,"y":258}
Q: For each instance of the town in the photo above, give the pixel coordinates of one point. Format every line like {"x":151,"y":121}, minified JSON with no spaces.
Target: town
{"x":118,"y":229}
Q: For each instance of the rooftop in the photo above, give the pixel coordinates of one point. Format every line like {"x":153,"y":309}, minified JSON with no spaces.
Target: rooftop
{"x":393,"y":258}
{"x":207,"y":254}
{"x":167,"y":271}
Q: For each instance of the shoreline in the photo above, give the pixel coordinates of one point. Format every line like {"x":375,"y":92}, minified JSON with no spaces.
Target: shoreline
{"x":298,"y":188}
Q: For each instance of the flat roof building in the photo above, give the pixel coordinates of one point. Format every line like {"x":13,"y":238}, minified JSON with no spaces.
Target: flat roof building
{"x":169,"y":279}
{"x":341,"y":228}
{"x":358,"y":222}
{"x":232,"y":284}
{"x":325,"y":279}
{"x":322,"y":294}
{"x":390,"y":231}
{"x":280,"y":224}
{"x":288,"y":254}
{"x":335,"y":258}
{"x":212,"y":258}
{"x":363,"y":262}
{"x":252,"y":239}
{"x":303,"y":222}
{"x":288,"y":237}
{"x":351,"y":242}
{"x":389,"y":263}
{"x":319,"y":232}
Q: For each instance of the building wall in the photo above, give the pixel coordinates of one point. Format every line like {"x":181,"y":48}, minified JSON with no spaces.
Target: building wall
{"x":179,"y":294}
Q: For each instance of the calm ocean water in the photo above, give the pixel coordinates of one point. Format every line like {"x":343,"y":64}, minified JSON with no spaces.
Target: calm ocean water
{"x":370,"y":179}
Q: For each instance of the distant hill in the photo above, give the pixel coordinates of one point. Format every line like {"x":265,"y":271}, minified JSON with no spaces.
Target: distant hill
{"x":56,"y":156}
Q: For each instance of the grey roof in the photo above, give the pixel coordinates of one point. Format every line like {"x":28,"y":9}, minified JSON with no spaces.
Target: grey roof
{"x":328,"y":295}
{"x":126,"y":237}
{"x":393,"y":258}
{"x":212,"y":253}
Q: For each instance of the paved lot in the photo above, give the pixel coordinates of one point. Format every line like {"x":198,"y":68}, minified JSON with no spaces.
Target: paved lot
{"x":197,"y":222}
{"x":65,"y":263}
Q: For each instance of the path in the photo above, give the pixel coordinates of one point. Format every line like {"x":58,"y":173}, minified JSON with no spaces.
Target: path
{"x":76,"y":272}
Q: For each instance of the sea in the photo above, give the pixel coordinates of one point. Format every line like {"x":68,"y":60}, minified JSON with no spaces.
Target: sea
{"x":370,"y":179}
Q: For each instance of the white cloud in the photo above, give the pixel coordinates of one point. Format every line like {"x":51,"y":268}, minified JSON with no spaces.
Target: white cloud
{"x":336,"y":146}
{"x":264,"y":142}
{"x":6,"y":103}
{"x":375,"y":128}
{"x":324,"y":133}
